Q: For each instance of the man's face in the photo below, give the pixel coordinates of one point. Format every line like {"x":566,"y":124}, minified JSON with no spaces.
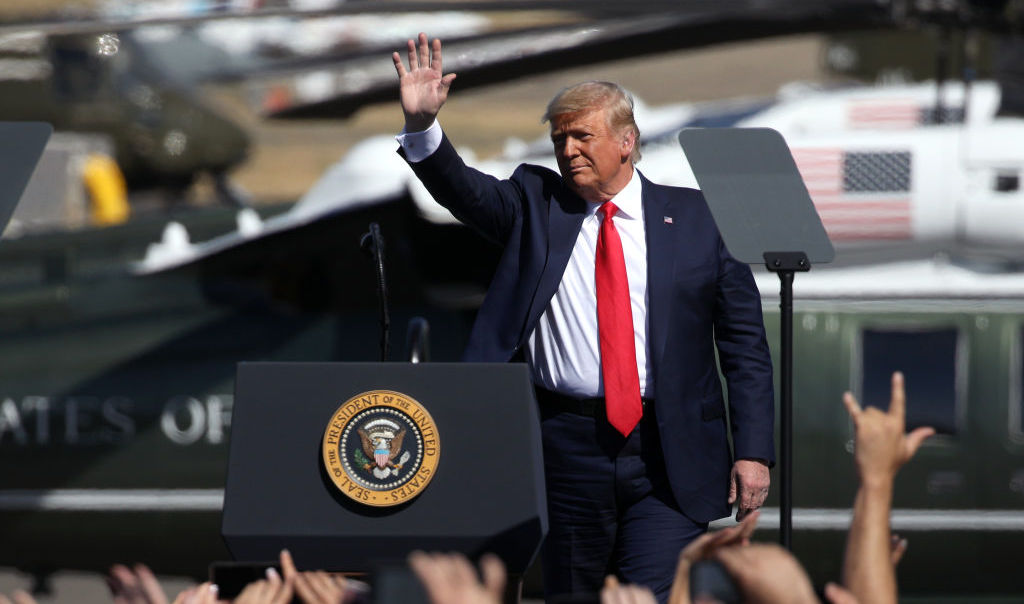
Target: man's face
{"x":593,"y":159}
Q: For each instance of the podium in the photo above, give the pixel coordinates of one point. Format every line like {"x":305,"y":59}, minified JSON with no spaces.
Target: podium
{"x":285,"y":489}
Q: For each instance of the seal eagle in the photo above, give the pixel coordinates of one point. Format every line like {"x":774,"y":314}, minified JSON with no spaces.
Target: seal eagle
{"x":381,"y":449}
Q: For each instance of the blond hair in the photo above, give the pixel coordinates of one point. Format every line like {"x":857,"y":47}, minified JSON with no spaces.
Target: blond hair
{"x":592,"y":95}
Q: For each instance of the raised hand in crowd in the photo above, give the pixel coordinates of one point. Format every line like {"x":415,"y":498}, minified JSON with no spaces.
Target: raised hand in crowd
{"x":272,"y":590}
{"x":897,"y":547}
{"x":762,"y":572}
{"x":703,"y":548}
{"x":135,"y":585}
{"x":450,"y":579}
{"x":837,"y":594}
{"x":18,"y":597}
{"x":423,"y":86}
{"x":312,"y":587}
{"x":318,"y":587}
{"x":138,"y":585}
{"x":615,"y":593}
{"x":204,"y":593}
{"x":881,"y":447}
{"x":766,"y":572}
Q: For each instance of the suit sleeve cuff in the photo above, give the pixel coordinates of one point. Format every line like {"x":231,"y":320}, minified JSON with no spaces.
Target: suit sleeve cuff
{"x":418,"y":146}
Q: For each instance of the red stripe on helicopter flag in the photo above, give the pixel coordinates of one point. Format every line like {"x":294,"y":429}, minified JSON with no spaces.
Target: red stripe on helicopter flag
{"x":887,"y":114}
{"x":859,"y":195}
{"x":821,"y":169}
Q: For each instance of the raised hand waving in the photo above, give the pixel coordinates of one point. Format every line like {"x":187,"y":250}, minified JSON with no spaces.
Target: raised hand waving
{"x":424,"y":87}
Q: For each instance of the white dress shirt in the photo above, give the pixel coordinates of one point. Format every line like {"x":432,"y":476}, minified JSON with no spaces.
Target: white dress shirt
{"x":563,"y":351}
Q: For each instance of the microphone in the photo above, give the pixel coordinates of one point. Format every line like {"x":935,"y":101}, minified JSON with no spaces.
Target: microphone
{"x":372,"y":244}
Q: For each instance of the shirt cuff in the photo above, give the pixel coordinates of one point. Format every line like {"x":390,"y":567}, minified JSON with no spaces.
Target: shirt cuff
{"x":418,"y":146}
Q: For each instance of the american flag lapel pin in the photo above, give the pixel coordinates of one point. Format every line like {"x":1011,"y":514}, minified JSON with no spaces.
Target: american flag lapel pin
{"x":668,"y":220}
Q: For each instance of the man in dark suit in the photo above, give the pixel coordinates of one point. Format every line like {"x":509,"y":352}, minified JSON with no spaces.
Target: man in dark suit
{"x":616,"y":291}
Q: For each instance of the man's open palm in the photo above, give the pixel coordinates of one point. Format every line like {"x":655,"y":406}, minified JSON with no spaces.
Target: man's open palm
{"x":424,"y":87}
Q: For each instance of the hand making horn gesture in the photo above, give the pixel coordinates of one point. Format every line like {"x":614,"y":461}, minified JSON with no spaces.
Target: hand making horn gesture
{"x":881,"y":444}
{"x":424,"y":88}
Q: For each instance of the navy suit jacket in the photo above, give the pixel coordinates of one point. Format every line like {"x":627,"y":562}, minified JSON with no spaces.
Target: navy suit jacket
{"x":699,"y":297}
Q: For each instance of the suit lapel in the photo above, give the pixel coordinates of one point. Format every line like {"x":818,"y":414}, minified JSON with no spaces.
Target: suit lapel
{"x":565,"y":217}
{"x":660,"y":222}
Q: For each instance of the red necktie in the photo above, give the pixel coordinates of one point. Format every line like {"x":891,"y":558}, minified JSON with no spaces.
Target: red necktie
{"x":615,"y":328}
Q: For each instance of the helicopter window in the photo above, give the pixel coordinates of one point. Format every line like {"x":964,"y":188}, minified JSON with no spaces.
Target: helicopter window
{"x":948,"y":115}
{"x":1007,"y":183}
{"x":77,"y":72}
{"x":928,"y":360}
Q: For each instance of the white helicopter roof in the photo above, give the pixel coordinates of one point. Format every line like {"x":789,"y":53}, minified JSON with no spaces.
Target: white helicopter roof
{"x":803,"y":109}
{"x":372,"y":172}
{"x":935,"y":278}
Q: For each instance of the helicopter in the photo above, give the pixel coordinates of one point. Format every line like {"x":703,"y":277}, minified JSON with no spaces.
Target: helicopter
{"x":135,"y":84}
{"x":162,"y":133}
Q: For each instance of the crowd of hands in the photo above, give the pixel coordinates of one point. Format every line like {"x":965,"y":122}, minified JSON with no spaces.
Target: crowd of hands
{"x":762,"y":572}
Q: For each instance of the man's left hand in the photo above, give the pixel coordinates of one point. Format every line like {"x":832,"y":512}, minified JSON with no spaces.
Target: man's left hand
{"x":748,"y":485}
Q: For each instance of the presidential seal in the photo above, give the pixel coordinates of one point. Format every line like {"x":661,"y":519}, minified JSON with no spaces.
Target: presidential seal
{"x":381,"y":448}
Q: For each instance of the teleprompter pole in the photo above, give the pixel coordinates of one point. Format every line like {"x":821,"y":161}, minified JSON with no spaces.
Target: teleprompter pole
{"x":761,"y":206}
{"x":786,"y":264}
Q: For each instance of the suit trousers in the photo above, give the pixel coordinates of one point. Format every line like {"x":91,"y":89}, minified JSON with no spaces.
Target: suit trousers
{"x":610,"y":507}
